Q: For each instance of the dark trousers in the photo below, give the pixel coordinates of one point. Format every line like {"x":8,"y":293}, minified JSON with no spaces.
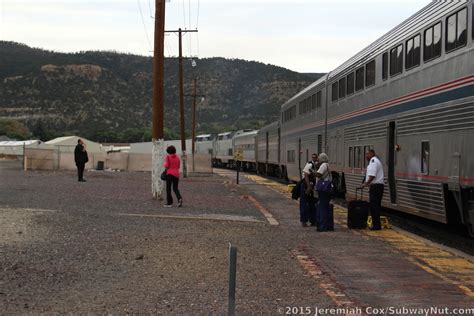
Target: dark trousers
{"x":375,"y":203}
{"x":172,"y":180}
{"x":80,"y":170}
{"x":307,"y":207}
{"x":325,"y":220}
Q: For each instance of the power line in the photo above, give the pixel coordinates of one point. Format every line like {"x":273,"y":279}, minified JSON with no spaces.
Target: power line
{"x":149,"y":7}
{"x":197,"y":26}
{"x":184,"y":14}
{"x":189,"y":12}
{"x":144,"y":26}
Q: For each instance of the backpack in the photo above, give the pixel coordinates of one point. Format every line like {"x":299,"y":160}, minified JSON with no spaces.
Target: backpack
{"x":296,"y":191}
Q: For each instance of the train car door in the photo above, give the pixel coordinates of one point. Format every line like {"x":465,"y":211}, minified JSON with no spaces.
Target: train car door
{"x":279,"y":145}
{"x":299,"y":157}
{"x":391,"y":162}
{"x":266,"y":148}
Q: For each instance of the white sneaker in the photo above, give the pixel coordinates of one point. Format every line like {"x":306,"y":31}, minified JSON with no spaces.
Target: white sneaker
{"x":167,"y":205}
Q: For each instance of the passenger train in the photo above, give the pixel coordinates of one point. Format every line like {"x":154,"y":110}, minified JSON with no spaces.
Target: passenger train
{"x":409,"y":96}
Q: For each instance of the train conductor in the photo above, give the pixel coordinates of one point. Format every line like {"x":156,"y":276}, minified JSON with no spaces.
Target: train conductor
{"x":374,"y":180}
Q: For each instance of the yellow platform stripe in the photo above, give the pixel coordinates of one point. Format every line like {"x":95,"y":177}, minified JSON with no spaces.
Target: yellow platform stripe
{"x":451,"y":268}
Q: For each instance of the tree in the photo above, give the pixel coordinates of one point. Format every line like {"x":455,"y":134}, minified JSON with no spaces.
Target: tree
{"x":14,"y":129}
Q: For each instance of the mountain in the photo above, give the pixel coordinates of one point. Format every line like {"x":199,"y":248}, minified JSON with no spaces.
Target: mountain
{"x":94,"y":93}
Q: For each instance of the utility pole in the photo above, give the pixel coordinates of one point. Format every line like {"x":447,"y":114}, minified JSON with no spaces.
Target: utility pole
{"x":158,"y":101}
{"x":181,"y":98}
{"x":194,"y":95}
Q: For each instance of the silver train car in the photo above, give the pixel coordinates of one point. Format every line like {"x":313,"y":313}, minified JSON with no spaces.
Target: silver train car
{"x":205,"y":144}
{"x":224,"y":149}
{"x":410,"y":97}
{"x":246,"y":144}
{"x":268,"y":150}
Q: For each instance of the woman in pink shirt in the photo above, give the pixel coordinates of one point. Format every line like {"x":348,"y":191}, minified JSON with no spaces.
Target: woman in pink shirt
{"x":172,"y":164}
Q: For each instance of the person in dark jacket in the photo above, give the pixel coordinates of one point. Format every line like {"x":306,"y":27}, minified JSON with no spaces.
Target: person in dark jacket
{"x":81,"y":158}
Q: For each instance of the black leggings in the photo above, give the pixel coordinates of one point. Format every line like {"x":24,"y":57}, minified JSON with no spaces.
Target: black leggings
{"x":172,"y":180}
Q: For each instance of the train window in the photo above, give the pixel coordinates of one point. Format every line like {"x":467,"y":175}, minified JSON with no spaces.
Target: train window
{"x":360,"y":78}
{"x":412,"y":52}
{"x":350,"y":83}
{"x":351,"y":158}
{"x":334,"y":91}
{"x":385,"y":66}
{"x":313,"y":102}
{"x":396,"y":60}
{"x":432,"y":47}
{"x":300,"y":106}
{"x":425,"y":157}
{"x":456,"y":30}
{"x":342,"y":88}
{"x":472,"y":21}
{"x":290,"y":156}
{"x":318,"y":99}
{"x":370,"y":73}
{"x":320,"y":143}
{"x":357,"y":160}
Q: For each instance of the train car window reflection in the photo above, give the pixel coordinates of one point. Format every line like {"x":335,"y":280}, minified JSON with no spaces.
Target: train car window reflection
{"x":412,"y":52}
{"x":357,"y":160}
{"x":350,"y":83}
{"x":342,"y":88}
{"x":318,"y":99}
{"x":334,"y":91}
{"x":320,"y":143}
{"x":385,"y":66}
{"x":351,"y":158}
{"x":456,"y":30}
{"x":396,"y":60}
{"x":432,"y":46}
{"x":370,"y":74}
{"x":360,"y":78}
{"x":462,"y":28}
{"x":290,"y":156}
{"x":425,"y":157}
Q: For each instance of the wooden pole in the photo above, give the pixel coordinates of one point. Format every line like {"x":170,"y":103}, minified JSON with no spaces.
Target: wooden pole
{"x":158,"y":101}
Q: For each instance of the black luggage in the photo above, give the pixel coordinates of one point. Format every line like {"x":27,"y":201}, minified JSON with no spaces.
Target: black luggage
{"x":357,"y":213}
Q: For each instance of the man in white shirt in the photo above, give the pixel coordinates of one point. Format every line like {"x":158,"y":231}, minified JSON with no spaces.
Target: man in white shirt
{"x":374,"y":180}
{"x":307,"y":199}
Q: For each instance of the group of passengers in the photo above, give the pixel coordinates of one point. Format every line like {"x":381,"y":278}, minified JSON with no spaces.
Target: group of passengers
{"x":315,"y":194}
{"x":315,"y":190}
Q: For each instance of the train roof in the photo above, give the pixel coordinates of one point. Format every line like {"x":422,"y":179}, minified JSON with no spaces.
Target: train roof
{"x":249,"y":133}
{"x":321,"y":81}
{"x":428,"y":15}
{"x":224,"y":134}
{"x":204,"y":135}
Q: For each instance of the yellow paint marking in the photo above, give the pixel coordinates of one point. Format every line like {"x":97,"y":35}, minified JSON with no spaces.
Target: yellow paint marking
{"x":451,"y":268}
{"x":262,"y":209}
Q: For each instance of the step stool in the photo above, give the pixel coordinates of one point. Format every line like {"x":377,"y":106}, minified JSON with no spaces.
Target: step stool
{"x":383,"y":221}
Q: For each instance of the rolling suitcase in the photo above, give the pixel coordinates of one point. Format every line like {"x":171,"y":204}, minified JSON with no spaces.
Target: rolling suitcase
{"x":357,"y":213}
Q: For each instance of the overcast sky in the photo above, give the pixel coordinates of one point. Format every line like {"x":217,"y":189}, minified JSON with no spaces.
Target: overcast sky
{"x":302,"y":35}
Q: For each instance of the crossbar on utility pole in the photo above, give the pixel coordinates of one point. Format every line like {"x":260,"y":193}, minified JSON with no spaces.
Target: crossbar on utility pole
{"x":181,"y":97}
{"x":158,"y":101}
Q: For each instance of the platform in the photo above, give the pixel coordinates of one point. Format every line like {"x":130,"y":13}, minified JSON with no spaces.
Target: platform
{"x":106,"y":246}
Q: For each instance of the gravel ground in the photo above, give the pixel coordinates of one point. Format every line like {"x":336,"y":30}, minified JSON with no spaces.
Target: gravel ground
{"x":65,"y":248}
{"x":106,"y":247}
